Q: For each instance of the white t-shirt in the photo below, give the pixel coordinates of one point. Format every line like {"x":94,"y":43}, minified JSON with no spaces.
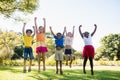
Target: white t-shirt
{"x":88,"y":41}
{"x":69,"y":40}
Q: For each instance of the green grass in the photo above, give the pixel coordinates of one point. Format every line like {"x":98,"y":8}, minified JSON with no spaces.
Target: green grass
{"x":15,"y":73}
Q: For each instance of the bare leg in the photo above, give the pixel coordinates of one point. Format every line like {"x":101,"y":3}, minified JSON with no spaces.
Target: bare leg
{"x":61,"y":72}
{"x":24,"y":68}
{"x":84,"y":64}
{"x":39,"y":60}
{"x":71,"y":60}
{"x":29,"y":70}
{"x":43,"y":58}
{"x":66,"y":56}
{"x":56,"y":66}
{"x":91,"y":65}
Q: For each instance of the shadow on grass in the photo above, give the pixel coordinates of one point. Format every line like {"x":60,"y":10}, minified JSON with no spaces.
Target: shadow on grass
{"x":75,"y":74}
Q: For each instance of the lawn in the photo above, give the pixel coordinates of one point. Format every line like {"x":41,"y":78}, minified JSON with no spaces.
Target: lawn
{"x":15,"y":73}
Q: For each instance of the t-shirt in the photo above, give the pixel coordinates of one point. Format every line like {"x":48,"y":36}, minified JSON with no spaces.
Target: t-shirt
{"x":27,"y":40}
{"x":87,"y":41}
{"x":59,"y":41}
{"x":69,"y":40}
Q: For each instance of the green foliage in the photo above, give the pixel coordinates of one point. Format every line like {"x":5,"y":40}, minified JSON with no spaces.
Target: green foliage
{"x":8,"y":40}
{"x":18,"y":52}
{"x":9,"y":7}
{"x":110,"y":46}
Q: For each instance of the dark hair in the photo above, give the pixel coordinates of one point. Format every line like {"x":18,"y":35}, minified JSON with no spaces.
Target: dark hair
{"x":28,"y":30}
{"x":59,"y":33}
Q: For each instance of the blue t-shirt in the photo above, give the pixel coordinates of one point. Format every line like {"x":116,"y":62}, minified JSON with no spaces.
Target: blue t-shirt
{"x":59,"y":42}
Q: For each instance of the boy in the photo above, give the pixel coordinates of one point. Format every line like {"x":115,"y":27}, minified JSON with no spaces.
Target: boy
{"x":88,"y":51}
{"x":59,"y":40}
{"x":27,"y":39}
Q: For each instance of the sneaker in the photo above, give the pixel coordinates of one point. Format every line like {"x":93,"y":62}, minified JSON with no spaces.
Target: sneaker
{"x":29,"y":70}
{"x":24,"y":71}
{"x":61,"y":72}
{"x":84,"y":71}
{"x":92,"y":73}
{"x":57,"y":72}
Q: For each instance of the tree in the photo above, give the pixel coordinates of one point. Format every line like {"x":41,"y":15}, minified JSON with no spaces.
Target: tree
{"x":9,"y":7}
{"x":110,"y":46}
{"x":8,"y":40}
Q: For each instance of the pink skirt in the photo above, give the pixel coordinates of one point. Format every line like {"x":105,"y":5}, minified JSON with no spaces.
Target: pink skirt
{"x":88,"y":51}
{"x":41,"y":49}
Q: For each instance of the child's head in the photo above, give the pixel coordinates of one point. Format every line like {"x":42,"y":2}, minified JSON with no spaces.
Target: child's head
{"x":69,"y":34}
{"x":28,"y":32}
{"x":86,"y":34}
{"x":41,"y":29}
{"x":59,"y":35}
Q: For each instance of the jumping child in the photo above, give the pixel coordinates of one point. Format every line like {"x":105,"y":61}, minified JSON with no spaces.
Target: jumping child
{"x":59,"y":40}
{"x":88,"y":51}
{"x":27,"y":39}
{"x":68,"y":46}
{"x":41,"y":47}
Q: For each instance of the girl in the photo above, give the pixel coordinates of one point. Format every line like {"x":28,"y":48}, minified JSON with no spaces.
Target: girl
{"x":68,"y":47}
{"x":41,"y":48}
{"x":88,"y":51}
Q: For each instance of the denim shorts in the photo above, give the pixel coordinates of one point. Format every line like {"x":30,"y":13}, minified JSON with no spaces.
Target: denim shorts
{"x":28,"y":51}
{"x":68,"y":51}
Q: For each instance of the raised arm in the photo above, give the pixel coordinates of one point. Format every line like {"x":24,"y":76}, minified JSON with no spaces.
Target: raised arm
{"x":23,"y":30}
{"x":73,"y":30}
{"x":52,"y":31}
{"x":44,"y":24}
{"x":35,"y":24}
{"x":64,"y":31}
{"x":80,"y":31}
{"x":34,"y":31}
{"x":94,"y":30}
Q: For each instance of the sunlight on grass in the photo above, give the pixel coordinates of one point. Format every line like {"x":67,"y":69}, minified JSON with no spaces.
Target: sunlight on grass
{"x":15,"y":73}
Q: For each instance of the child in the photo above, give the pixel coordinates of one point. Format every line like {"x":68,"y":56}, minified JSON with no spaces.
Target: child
{"x":68,"y":47}
{"x":27,"y":39}
{"x":88,"y":51}
{"x":59,"y":40}
{"x":41,"y":47}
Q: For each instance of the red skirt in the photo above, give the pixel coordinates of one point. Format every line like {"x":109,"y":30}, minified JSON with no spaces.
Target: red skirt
{"x":88,"y":51}
{"x":41,"y":49}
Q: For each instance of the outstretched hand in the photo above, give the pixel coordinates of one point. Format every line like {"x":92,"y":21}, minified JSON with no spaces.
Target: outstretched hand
{"x":50,"y":27}
{"x":35,"y":18}
{"x":80,"y":26}
{"x":73,"y":27}
{"x":44,"y":19}
{"x":95,"y":25}
{"x":24,"y":24}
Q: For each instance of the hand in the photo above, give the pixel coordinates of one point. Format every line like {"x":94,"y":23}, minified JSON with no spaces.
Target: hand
{"x":65,"y":28}
{"x":95,"y":25}
{"x":80,"y":26}
{"x":33,"y":27}
{"x":73,"y":27}
{"x":35,"y":18}
{"x":24,"y":24}
{"x":44,"y":19}
{"x":50,"y":27}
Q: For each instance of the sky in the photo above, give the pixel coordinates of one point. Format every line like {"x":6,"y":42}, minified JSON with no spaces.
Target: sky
{"x":69,"y":13}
